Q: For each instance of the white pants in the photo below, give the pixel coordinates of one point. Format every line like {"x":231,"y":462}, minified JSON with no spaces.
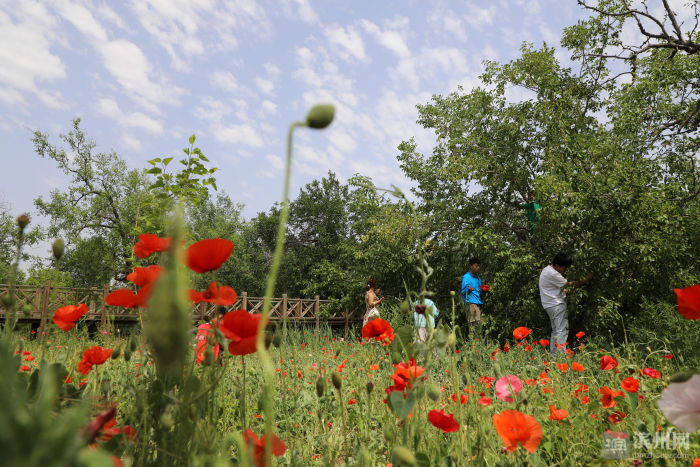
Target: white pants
{"x":559,"y":319}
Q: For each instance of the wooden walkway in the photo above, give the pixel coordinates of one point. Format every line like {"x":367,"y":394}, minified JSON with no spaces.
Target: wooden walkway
{"x":44,"y":300}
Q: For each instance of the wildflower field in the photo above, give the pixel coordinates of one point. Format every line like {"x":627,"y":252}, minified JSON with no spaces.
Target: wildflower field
{"x":344,"y":402}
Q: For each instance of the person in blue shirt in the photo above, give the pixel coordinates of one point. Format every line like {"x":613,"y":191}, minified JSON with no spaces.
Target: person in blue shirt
{"x":421,"y":312}
{"x":471,"y":293}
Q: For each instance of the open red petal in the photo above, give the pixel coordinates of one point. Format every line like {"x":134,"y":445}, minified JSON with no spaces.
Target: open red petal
{"x":688,"y":300}
{"x":149,"y":244}
{"x":121,"y":297}
{"x":244,"y":346}
{"x":143,"y":276}
{"x":208,"y":255}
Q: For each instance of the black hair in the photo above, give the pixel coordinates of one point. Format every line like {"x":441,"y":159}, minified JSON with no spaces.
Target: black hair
{"x":221,"y":311}
{"x":474,"y":260}
{"x":371,"y":284}
{"x":562,"y":259}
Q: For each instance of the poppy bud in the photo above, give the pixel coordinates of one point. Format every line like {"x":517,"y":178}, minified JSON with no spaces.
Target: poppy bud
{"x":388,"y":434}
{"x":320,"y":116}
{"x":132,"y":344}
{"x":420,"y":309}
{"x":433,"y":392}
{"x":22,"y":221}
{"x":320,"y":386}
{"x":8,"y":300}
{"x":115,"y":353}
{"x":337,"y":380}
{"x":370,"y":387}
{"x":395,"y":357}
{"x":166,"y":421}
{"x":58,"y":248}
{"x":127,"y":355}
{"x":208,"y":357}
{"x":451,"y":340}
{"x":405,"y":306}
{"x":27,"y":309}
{"x":268,"y":340}
{"x":277,"y":340}
{"x":337,"y":352}
{"x":452,"y":292}
{"x":403,"y":456}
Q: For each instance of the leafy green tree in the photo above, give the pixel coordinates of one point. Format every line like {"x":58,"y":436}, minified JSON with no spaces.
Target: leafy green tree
{"x":89,"y":262}
{"x":103,"y":199}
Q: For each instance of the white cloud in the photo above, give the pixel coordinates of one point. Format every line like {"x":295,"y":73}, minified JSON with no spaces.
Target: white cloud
{"x":81,"y":18}
{"x":110,"y":108}
{"x":271,"y":69}
{"x":447,"y":21}
{"x":275,"y":161}
{"x":480,"y":17}
{"x":239,"y":134}
{"x":133,"y":71}
{"x":267,"y":86}
{"x":269,"y":107}
{"x":224,"y":80}
{"x":392,"y":39}
{"x":301,"y":9}
{"x":347,"y":42}
{"x":26,"y":56}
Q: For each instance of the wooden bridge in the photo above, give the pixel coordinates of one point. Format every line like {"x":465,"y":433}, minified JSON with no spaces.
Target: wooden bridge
{"x":44,"y":300}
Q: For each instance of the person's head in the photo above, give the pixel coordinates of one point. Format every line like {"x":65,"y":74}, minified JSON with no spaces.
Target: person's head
{"x":561,"y":262}
{"x":220,"y":313}
{"x":474,"y":265}
{"x":371,"y":284}
{"x":530,"y":197}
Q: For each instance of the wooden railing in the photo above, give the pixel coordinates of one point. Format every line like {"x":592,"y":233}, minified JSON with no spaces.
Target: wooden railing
{"x":44,"y":300}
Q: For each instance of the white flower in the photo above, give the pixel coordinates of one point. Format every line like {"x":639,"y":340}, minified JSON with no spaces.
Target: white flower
{"x":680,"y":403}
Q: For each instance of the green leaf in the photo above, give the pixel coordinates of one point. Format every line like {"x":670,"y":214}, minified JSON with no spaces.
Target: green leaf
{"x":154,"y":171}
{"x":167,"y":160}
{"x":192,"y":138}
{"x":154,"y":161}
{"x":402,"y":407}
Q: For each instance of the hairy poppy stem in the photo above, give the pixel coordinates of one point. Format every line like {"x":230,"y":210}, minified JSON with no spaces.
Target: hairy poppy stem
{"x":242,"y":398}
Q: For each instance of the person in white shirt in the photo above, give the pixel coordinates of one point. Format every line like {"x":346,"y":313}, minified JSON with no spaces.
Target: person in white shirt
{"x":553,"y":296}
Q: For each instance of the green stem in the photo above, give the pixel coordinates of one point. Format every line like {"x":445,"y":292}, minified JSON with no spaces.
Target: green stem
{"x":265,"y":360}
{"x":11,"y":313}
{"x":242,"y":398}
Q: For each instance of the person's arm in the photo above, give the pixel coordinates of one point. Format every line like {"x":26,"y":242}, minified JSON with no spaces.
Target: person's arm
{"x":580,"y":282}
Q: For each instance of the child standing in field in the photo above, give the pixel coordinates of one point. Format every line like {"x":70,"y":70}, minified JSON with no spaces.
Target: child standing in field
{"x":553,"y":297}
{"x":205,"y":332}
{"x":471,"y":293}
{"x":424,"y":318}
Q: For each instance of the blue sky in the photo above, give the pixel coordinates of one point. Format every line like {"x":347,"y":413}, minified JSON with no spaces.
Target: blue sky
{"x":145,"y":74}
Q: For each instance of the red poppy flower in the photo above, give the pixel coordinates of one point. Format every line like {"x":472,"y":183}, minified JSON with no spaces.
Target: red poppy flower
{"x":516,"y":427}
{"x":651,"y":373}
{"x":668,"y":356}
{"x":607,"y":362}
{"x":223,"y":296}
{"x":110,"y":430}
{"x":149,"y":244}
{"x":92,"y":429}
{"x":440,"y":419}
{"x":144,"y":276}
{"x":256,"y":447}
{"x":66,"y":316}
{"x":616,"y":417}
{"x":25,"y":368}
{"x":630,"y":384}
{"x":93,"y":356}
{"x":688,"y":300}
{"x":485,"y":288}
{"x":521,"y":332}
{"x":404,"y":374}
{"x":128,"y":299}
{"x":352,"y":401}
{"x":379,"y":330}
{"x":544,"y":342}
{"x":562,"y":367}
{"x":485,"y":401}
{"x":580,"y":334}
{"x":609,"y":395}
{"x":242,"y":328}
{"x":208,"y":255}
{"x":577,"y":366}
{"x":463,"y":398}
{"x":205,"y":334}
{"x":557,"y":414}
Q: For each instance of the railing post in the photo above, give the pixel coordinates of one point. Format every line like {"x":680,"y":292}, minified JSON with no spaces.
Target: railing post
{"x":347,"y":318}
{"x":317,"y":310}
{"x":284,"y":314}
{"x":44,"y":310}
{"x":103,"y":308}
{"x":244,"y":301}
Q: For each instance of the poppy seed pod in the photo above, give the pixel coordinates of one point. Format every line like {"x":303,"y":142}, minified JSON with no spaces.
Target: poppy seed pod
{"x":320,"y":116}
{"x":116,"y":353}
{"x":403,"y":456}
{"x":451,"y":340}
{"x":320,"y":386}
{"x":370,"y":387}
{"x":277,"y":340}
{"x":405,"y":306}
{"x":127,"y":355}
{"x":337,"y":380}
{"x":58,"y":247}
{"x":268,"y":340}
{"x":22,"y":221}
{"x":27,"y":309}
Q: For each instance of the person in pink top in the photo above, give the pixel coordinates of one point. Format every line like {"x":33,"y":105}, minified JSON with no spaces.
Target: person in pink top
{"x":205,"y":332}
